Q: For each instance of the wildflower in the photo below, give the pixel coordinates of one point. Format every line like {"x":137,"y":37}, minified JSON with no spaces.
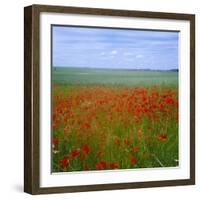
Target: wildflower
{"x":85,"y":149}
{"x":64,"y":163}
{"x":74,"y":153}
{"x":167,"y":110}
{"x":87,"y":125}
{"x":117,"y":141}
{"x":126,"y":141}
{"x":99,"y":154}
{"x":162,"y":137}
{"x":101,"y":165}
{"x":170,"y":101}
{"x":135,"y":149}
{"x":133,"y":160}
{"x":114,"y":165}
{"x":65,"y":119}
{"x":71,"y":115}
{"x":55,"y":151}
{"x":79,"y":121}
{"x":55,"y":141}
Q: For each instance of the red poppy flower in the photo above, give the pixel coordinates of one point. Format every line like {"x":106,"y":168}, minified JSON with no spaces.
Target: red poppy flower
{"x":65,"y":119}
{"x":117,"y":141}
{"x":162,"y":137}
{"x":170,"y":101}
{"x":55,"y":141}
{"x":71,"y":115}
{"x":74,"y":153}
{"x":126,"y":141}
{"x":99,"y":154}
{"x":64,"y":163}
{"x":133,"y":160}
{"x":87,"y":125}
{"x":135,"y":149}
{"x":101,"y":165}
{"x":79,"y":121}
{"x":114,"y":165}
{"x":86,"y":149}
{"x":167,"y":110}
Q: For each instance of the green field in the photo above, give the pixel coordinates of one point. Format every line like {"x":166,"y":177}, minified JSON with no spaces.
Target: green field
{"x":64,"y":75}
{"x":105,"y":119}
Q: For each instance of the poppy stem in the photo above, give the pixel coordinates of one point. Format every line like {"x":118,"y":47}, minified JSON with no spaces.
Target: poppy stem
{"x":158,"y":160}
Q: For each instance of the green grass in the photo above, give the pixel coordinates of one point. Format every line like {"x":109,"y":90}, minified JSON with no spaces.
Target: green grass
{"x":64,"y":75}
{"x":98,"y":107}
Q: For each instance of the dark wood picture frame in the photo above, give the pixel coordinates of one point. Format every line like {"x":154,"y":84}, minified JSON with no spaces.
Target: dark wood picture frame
{"x":32,"y":96}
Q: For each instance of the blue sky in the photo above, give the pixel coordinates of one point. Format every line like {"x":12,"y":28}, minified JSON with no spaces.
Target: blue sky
{"x":114,"y":48}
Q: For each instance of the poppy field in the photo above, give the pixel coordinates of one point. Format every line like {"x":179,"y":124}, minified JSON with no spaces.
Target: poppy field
{"x":119,"y":123}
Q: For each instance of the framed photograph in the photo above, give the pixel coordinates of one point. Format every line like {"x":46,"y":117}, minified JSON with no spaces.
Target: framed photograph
{"x":109,"y":99}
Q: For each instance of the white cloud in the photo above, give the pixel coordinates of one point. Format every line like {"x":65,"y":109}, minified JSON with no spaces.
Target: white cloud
{"x":114,"y":52}
{"x":128,"y":54}
{"x":139,"y":56}
{"x":102,"y":53}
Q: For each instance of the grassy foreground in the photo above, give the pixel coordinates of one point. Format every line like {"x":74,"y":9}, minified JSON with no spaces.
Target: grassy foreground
{"x":114,"y":122}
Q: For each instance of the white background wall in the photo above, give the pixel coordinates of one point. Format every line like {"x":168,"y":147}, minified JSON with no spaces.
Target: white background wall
{"x":11,"y":99}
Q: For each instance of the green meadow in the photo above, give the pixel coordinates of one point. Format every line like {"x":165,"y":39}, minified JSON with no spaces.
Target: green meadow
{"x":70,"y":76}
{"x":106,"y":119}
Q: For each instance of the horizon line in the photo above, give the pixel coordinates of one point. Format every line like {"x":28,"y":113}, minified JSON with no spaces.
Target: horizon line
{"x":112,"y":68}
